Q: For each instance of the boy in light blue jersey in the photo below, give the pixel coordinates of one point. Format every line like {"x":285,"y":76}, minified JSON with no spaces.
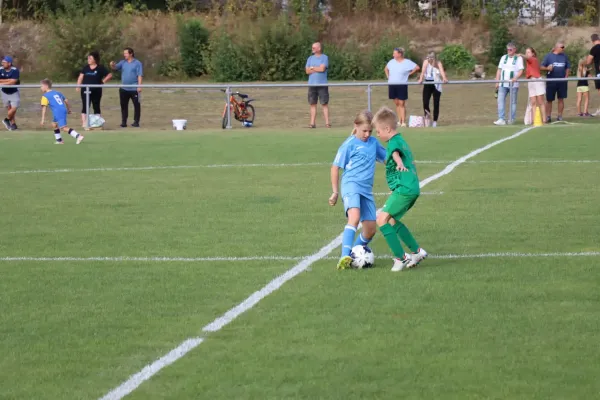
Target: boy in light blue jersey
{"x":357,"y":156}
{"x":60,"y":108}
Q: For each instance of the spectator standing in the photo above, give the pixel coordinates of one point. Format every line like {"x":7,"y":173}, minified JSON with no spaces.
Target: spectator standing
{"x":92,"y":74}
{"x":583,"y":89}
{"x":510,"y":68}
{"x":558,"y":66}
{"x":397,"y":71}
{"x":11,"y":98}
{"x":316,"y":69}
{"x":537,"y":90}
{"x":594,"y":57}
{"x":131,"y":74}
{"x":432,"y":71}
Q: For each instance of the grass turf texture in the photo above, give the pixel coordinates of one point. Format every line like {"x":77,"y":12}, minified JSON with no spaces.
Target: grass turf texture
{"x":454,"y":328}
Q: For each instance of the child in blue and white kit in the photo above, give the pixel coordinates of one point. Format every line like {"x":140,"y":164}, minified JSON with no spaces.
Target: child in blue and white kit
{"x":357,"y":156}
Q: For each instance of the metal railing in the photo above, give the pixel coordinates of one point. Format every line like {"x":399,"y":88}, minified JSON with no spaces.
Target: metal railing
{"x":229,"y":87}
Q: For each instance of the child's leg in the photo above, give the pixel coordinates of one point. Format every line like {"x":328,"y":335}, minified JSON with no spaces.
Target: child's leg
{"x":405,"y":236}
{"x":71,"y":132}
{"x":579,"y":96}
{"x":397,"y":205}
{"x":350,"y":230}
{"x":389,"y":233}
{"x":586,"y":102}
{"x":57,"y":135}
{"x":368,"y":214}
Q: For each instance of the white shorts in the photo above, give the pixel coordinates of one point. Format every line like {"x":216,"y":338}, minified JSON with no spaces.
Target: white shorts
{"x":536,"y":88}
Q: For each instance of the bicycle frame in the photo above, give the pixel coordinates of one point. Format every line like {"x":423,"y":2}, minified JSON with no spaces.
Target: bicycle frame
{"x":235,"y":108}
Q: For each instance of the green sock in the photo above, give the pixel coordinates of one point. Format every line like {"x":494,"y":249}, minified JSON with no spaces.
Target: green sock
{"x":406,"y":237}
{"x":389,"y":233}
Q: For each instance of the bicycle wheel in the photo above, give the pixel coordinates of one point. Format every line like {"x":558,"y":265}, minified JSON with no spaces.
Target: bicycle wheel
{"x":249,"y":114}
{"x":224,"y":126}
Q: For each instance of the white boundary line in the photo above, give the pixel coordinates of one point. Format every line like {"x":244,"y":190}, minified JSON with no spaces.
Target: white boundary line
{"x":167,"y":167}
{"x":292,"y":258}
{"x":137,"y":379}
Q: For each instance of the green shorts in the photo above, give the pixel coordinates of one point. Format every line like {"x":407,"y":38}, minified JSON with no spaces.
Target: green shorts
{"x":398,"y":204}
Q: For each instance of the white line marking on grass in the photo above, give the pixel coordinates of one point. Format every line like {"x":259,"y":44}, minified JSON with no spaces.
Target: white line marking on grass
{"x":136,"y":380}
{"x":167,"y":167}
{"x":288,"y":258}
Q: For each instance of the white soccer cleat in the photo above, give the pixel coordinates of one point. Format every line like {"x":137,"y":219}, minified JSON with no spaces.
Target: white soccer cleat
{"x":401,"y":263}
{"x":500,"y":122}
{"x":419,"y":256}
{"x":79,"y":139}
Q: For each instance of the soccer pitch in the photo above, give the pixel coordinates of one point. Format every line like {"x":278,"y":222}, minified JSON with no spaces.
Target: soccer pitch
{"x":115,"y":252}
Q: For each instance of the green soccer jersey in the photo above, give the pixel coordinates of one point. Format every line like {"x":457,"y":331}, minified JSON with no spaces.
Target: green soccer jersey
{"x":401,"y":182}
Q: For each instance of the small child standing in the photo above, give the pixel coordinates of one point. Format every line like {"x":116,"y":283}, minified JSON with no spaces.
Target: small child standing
{"x":583,"y":89}
{"x":357,"y":156}
{"x":60,"y":108}
{"x":402,"y":179}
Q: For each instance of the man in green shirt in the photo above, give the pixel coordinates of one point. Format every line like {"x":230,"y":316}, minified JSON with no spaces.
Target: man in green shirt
{"x":403,"y":181}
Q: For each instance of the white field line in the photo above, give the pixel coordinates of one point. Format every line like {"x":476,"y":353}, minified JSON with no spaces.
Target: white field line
{"x":293,"y":258}
{"x":136,"y":380}
{"x":291,"y":165}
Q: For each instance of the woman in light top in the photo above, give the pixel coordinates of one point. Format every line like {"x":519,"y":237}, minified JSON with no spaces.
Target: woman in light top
{"x":433,"y":71}
{"x":398,"y":70}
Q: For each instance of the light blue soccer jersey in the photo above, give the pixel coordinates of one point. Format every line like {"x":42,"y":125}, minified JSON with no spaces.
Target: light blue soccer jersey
{"x":357,"y":159}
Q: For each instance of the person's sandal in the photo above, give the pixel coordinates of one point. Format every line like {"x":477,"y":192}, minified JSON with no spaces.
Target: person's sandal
{"x":328,"y":125}
{"x":312,"y":126}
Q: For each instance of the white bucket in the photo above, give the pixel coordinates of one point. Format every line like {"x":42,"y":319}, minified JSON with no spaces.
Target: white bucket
{"x":179,"y":124}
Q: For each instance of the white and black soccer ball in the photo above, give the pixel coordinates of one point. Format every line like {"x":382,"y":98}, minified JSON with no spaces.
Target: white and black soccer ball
{"x":362,"y":257}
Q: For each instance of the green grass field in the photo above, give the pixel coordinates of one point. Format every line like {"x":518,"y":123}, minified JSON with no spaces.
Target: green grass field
{"x":105,"y":266}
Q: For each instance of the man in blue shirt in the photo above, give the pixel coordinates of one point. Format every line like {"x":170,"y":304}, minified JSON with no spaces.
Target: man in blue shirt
{"x":131,"y":74}
{"x":316,"y":69}
{"x":9,"y":75}
{"x":558,"y":66}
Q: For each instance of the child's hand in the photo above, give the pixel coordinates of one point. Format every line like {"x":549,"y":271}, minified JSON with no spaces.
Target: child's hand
{"x":333,"y":199}
{"x":401,"y":168}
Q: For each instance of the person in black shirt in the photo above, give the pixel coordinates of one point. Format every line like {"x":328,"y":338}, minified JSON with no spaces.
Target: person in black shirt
{"x":594,"y":57}
{"x":92,"y":74}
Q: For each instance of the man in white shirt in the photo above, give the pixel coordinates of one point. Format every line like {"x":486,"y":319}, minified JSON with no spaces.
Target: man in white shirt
{"x":510,"y":68}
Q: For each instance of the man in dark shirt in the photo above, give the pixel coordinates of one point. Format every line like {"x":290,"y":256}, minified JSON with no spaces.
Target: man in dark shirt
{"x":594,"y":57}
{"x":9,"y":75}
{"x":558,"y":66}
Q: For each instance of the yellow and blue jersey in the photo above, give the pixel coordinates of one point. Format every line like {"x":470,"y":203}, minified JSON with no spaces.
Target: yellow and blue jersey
{"x":56,"y":101}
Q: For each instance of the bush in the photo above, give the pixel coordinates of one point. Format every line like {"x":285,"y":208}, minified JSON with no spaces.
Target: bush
{"x":193,"y":43}
{"x":456,"y":57}
{"x":382,"y":54}
{"x":77,"y":30}
{"x":282,"y":50}
{"x":169,"y":68}
{"x":575,"y":51}
{"x":346,"y":63}
{"x":499,"y":37}
{"x":230,"y":62}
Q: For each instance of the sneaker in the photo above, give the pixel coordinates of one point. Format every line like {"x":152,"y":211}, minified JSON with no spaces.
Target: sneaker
{"x":420,"y":255}
{"x":403,"y":125}
{"x":434,"y":124}
{"x":79,"y":139}
{"x":581,"y":115}
{"x":13,"y":127}
{"x":345,"y":263}
{"x":6,"y":123}
{"x":596,"y":113}
{"x":588,"y":115}
{"x":135,"y":125}
{"x":123,"y":125}
{"x":61,"y":142}
{"x":559,"y":118}
{"x":500,"y":122}
{"x":402,"y":263}
{"x":548,"y":120}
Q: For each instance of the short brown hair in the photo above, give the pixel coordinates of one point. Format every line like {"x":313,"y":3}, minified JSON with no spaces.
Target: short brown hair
{"x":386,"y":116}
{"x":46,"y":82}
{"x":595,"y":37}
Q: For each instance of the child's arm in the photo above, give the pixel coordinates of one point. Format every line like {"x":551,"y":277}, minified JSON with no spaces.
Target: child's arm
{"x":68,"y":106}
{"x":398,"y":160}
{"x":423,"y":71}
{"x":381,"y":153}
{"x":335,"y":177}
{"x":43,"y":115}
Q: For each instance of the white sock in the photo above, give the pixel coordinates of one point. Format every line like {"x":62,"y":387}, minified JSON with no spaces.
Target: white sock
{"x":73,"y":133}
{"x":57,"y":137}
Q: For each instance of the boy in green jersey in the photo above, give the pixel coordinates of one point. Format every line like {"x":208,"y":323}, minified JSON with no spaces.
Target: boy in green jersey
{"x":402,"y":179}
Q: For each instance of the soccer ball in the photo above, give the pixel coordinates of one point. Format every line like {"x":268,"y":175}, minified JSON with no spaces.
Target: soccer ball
{"x":362,"y":257}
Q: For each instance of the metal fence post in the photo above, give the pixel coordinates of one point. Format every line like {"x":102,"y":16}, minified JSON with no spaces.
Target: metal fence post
{"x":369,"y":97}
{"x":510,"y":99}
{"x":87,"y":107}
{"x":228,"y":105}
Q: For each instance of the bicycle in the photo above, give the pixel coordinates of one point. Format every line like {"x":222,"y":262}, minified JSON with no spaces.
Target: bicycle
{"x":241,"y":110}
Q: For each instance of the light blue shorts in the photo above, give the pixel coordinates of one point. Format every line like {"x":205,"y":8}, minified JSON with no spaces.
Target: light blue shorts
{"x":368,"y":211}
{"x":61,"y":120}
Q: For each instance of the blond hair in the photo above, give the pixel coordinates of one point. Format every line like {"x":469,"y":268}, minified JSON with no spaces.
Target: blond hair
{"x":387,"y":117}
{"x":365,"y":117}
{"x":582,"y":67}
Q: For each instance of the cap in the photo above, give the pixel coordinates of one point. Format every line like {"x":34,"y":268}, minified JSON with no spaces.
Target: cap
{"x":7,"y":59}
